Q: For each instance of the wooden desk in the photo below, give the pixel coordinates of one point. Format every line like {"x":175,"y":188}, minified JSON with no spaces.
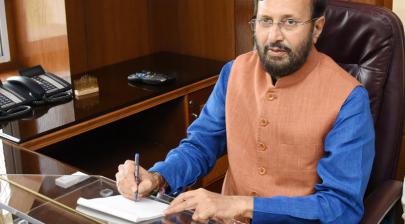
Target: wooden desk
{"x":116,"y":99}
{"x":98,"y":132}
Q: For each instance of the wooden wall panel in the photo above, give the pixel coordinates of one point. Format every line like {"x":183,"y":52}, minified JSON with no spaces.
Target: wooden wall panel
{"x":243,"y":33}
{"x":76,"y":28}
{"x":203,"y":28}
{"x":115,"y":31}
{"x":163,"y":25}
{"x":41,"y":35}
{"x":103,"y":32}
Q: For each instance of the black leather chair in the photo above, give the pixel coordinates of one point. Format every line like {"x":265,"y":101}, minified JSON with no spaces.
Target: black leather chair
{"x":368,"y":41}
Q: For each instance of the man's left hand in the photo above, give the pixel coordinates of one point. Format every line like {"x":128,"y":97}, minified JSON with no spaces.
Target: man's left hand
{"x":209,"y":205}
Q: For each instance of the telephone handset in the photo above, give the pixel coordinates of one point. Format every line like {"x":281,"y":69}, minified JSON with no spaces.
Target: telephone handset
{"x":13,"y":104}
{"x":43,"y":86}
{"x":33,"y":86}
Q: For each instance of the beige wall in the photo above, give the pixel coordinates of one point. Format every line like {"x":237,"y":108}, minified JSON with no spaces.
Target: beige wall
{"x":399,"y":8}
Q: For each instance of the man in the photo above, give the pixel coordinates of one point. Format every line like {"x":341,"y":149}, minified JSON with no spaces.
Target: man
{"x":296,"y":127}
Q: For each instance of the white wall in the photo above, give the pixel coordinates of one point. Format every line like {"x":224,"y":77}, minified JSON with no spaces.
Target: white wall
{"x":398,"y":6}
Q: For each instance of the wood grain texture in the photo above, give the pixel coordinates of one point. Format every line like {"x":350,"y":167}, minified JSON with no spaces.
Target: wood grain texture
{"x":82,"y":127}
{"x":243,"y":33}
{"x":115,"y":31}
{"x":203,"y":28}
{"x":76,"y":28}
{"x":41,"y":34}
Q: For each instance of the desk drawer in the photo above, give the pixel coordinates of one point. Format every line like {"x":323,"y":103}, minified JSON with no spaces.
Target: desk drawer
{"x":196,"y":101}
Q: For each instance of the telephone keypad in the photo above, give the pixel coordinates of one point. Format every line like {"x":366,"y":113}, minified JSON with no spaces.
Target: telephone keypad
{"x":48,"y":87}
{"x":5,"y":101}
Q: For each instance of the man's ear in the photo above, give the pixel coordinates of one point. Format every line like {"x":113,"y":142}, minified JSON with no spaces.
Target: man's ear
{"x":318,"y":27}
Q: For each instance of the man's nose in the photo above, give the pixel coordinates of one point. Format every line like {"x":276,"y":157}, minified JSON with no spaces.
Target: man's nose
{"x":275,"y":34}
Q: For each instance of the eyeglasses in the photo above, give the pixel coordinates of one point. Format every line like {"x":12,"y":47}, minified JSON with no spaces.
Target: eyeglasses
{"x":284,"y":25}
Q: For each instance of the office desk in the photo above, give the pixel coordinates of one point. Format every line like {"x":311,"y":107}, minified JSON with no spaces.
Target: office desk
{"x":98,"y":132}
{"x":27,"y":183}
{"x":15,"y":159}
{"x":116,"y":99}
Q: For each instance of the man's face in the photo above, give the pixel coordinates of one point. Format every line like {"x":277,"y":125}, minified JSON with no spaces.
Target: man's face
{"x":283,"y":51}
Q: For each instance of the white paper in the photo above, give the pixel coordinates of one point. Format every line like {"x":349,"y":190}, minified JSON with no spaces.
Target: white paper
{"x":124,"y":208}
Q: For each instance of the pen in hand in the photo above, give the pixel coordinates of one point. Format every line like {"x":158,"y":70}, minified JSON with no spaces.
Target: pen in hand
{"x":137,"y":179}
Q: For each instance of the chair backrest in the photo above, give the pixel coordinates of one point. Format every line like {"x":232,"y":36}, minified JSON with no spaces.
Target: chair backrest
{"x":368,"y":41}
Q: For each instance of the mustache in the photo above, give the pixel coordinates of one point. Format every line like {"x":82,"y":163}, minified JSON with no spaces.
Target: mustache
{"x":276,"y":45}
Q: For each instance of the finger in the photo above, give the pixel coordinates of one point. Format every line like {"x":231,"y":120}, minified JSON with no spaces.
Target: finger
{"x":118,"y":175}
{"x":184,"y":205}
{"x":129,"y":167}
{"x":124,"y":190}
{"x":120,"y":167}
{"x":199,"y":217}
{"x":143,"y":172}
{"x":117,"y":181}
{"x":183,"y":197}
{"x":145,"y":187}
{"x":129,"y":196}
{"x":117,"y":178}
{"x":125,"y":179}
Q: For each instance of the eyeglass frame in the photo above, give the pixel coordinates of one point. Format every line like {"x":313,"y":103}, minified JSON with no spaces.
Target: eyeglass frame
{"x":280,"y":24}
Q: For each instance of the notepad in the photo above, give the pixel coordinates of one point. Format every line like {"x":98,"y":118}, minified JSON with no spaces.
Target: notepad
{"x":117,"y":209}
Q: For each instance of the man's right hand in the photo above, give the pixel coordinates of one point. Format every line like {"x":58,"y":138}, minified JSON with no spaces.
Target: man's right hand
{"x":126,"y":184}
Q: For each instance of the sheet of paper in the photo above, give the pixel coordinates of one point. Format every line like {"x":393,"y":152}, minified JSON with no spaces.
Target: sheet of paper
{"x":124,"y":208}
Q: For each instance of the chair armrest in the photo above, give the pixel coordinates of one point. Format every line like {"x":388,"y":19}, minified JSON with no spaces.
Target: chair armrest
{"x":379,"y":202}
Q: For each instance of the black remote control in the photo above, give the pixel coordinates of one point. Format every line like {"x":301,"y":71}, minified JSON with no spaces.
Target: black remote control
{"x":151,"y":78}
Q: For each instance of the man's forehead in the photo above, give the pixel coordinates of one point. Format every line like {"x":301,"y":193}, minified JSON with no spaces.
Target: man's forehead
{"x":275,"y":8}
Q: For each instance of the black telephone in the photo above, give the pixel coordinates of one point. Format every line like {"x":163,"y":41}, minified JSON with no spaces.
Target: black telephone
{"x":13,"y":104}
{"x":34,"y":86}
{"x":43,"y":86}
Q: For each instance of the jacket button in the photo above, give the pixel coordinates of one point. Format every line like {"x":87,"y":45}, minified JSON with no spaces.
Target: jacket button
{"x":262,"y":171}
{"x":271,"y":96}
{"x":262,"y":146}
{"x":264,"y":122}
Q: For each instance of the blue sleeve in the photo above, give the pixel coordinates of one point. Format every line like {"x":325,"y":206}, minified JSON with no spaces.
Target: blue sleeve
{"x":205,"y":142}
{"x":344,"y":173}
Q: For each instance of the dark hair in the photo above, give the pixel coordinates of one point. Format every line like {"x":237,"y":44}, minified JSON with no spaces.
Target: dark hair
{"x":317,"y":10}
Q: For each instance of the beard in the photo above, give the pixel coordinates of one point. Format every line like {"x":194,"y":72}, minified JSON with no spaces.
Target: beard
{"x":279,"y":67}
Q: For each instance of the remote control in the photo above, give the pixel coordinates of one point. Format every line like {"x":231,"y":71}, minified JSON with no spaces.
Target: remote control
{"x":151,"y":78}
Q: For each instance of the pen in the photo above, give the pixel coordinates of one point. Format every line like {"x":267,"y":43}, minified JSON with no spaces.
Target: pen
{"x":137,"y":180}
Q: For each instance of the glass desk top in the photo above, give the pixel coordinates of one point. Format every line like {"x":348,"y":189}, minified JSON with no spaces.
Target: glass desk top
{"x":45,"y":202}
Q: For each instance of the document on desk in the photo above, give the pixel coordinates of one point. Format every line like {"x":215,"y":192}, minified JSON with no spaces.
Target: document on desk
{"x":117,"y":209}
